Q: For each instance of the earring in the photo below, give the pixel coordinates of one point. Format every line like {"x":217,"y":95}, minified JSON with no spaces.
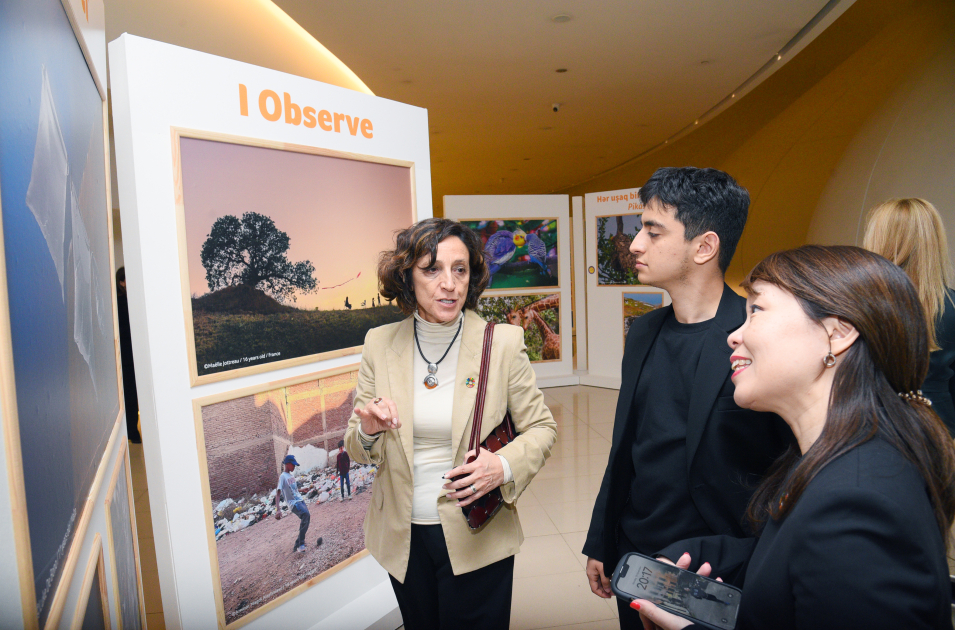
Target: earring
{"x":829,"y":360}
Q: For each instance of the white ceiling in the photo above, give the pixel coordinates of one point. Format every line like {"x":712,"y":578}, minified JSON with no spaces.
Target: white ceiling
{"x":638,"y":71}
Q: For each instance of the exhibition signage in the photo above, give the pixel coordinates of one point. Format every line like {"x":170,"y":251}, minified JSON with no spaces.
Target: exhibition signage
{"x":254,"y":206}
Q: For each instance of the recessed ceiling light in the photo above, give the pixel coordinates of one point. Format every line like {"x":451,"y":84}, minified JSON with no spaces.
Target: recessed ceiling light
{"x":696,"y":122}
{"x":732,"y":96}
{"x":778,"y":57}
{"x":706,"y":62}
{"x":545,"y":128}
{"x":561,"y":18}
{"x":561,"y":70}
{"x":526,"y":159}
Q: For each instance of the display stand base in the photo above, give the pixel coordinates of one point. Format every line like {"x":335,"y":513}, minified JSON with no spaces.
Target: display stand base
{"x":375,"y":610}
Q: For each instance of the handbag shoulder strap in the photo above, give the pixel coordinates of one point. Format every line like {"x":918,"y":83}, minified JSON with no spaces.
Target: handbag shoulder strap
{"x":475,"y":441}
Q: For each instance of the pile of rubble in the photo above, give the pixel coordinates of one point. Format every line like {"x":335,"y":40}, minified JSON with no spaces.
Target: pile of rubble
{"x":315,"y":486}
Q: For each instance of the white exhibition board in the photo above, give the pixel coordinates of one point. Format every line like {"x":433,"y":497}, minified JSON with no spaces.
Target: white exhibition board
{"x":156,"y":90}
{"x":580,"y":283}
{"x":612,"y":219}
{"x":531,"y":208}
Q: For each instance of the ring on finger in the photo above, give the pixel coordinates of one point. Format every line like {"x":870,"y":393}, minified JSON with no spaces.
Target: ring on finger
{"x":473,"y":489}
{"x":376,"y":401}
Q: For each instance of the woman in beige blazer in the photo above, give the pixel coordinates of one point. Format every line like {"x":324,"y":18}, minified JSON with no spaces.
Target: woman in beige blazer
{"x":413,"y":411}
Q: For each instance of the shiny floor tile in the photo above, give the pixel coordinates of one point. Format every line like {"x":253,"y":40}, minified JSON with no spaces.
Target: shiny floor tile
{"x":552,"y":600}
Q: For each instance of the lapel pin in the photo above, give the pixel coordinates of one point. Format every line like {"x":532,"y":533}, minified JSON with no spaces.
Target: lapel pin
{"x":469,"y":382}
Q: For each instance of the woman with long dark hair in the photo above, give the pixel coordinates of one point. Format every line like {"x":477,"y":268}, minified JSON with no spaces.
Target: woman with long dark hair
{"x":854,"y":521}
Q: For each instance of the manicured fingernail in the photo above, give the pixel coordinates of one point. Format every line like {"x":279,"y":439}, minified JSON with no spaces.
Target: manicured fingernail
{"x":635,"y":605}
{"x":685,"y":553}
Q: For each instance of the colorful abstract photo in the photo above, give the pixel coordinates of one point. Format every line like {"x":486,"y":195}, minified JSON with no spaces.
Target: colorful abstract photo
{"x":637,"y":304}
{"x":538,"y":315}
{"x":615,"y":263}
{"x":522,"y":253}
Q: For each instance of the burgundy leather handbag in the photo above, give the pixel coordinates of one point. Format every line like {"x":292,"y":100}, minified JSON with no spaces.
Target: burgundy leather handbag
{"x":484,"y":508}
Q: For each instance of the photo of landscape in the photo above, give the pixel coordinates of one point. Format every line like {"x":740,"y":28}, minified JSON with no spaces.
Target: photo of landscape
{"x":637,"y":304}
{"x":615,"y":263}
{"x":244,"y":442}
{"x":282,"y":249}
{"x":538,"y":315}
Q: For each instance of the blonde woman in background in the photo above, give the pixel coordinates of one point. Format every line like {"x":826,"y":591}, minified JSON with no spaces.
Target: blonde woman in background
{"x":910,"y":233}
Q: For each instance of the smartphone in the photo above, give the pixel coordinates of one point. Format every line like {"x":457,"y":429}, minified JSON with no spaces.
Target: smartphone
{"x":704,"y":601}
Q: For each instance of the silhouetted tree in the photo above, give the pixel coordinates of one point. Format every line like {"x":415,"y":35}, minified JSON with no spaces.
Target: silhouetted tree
{"x":252,"y":251}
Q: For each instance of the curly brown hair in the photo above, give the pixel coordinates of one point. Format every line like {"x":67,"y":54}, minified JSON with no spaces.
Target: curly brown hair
{"x":395,"y":266}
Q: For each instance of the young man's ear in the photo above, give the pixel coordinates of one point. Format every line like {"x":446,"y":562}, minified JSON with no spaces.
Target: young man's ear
{"x":707,"y":248}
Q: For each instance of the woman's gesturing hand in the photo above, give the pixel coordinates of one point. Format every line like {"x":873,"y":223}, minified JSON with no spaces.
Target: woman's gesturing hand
{"x":481,"y":476}
{"x":380,"y":414}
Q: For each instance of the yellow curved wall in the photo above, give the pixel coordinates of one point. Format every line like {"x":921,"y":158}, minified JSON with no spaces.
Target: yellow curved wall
{"x":785,"y":140}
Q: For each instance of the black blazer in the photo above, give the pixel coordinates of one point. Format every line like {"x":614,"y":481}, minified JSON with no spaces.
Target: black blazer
{"x":939,"y":385}
{"x":728,"y":448}
{"x":860,"y":549}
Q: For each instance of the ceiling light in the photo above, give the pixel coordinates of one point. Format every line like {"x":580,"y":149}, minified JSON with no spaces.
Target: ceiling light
{"x":732,"y":96}
{"x":778,"y":57}
{"x":696,"y":122}
{"x":561,"y":70}
{"x":561,"y":18}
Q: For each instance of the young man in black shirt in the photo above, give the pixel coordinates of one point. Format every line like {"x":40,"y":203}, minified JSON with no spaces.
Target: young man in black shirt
{"x":685,"y":458}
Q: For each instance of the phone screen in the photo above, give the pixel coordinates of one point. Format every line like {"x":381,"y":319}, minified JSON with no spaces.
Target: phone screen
{"x":679,"y":591}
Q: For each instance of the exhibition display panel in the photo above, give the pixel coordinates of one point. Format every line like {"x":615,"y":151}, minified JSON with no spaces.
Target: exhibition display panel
{"x":62,"y":412}
{"x":527,"y":245}
{"x":614,"y":295}
{"x":254,"y":205}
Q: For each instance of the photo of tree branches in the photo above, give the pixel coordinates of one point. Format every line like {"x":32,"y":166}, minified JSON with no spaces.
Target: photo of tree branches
{"x":538,"y":315}
{"x":615,"y":263}
{"x":282,"y":249}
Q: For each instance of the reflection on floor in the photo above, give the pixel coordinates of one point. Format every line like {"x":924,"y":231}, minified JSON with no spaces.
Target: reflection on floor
{"x":147,"y":548}
{"x":550,"y":588}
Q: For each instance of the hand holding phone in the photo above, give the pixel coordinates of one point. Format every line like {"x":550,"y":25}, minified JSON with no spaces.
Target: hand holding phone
{"x":704,"y":601}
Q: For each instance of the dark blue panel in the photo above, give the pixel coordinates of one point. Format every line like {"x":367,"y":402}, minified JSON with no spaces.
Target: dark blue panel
{"x":66,"y":404}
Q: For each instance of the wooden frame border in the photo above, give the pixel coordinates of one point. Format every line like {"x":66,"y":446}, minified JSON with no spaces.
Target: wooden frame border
{"x":596,"y":263}
{"x":532,"y":293}
{"x":122,"y":462}
{"x":11,"y":420}
{"x":95,"y":565}
{"x":197,"y":405}
{"x":623,"y":306}
{"x":536,"y":289}
{"x":177,"y":133}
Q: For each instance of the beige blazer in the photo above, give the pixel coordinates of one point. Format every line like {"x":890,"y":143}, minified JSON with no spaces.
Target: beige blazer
{"x":387,"y":370}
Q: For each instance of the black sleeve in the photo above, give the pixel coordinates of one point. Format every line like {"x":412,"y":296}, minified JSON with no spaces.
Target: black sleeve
{"x":594,"y":545}
{"x":860,"y":563}
{"x":727,"y":555}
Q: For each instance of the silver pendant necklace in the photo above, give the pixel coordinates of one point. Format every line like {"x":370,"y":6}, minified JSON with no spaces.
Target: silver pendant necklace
{"x":431,"y":380}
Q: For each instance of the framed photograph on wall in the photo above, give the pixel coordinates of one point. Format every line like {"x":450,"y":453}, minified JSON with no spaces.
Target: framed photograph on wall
{"x":61,"y":402}
{"x":279,"y":248}
{"x":123,"y":545}
{"x":243,"y":438}
{"x":637,"y":304}
{"x":615,"y":262}
{"x":92,"y":607}
{"x":537,"y":314}
{"x":521,"y":253}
